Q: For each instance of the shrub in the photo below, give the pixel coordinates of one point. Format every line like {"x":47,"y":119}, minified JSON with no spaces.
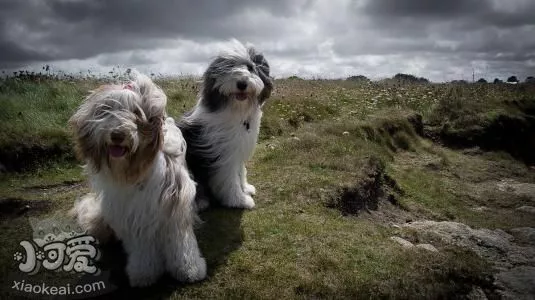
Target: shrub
{"x":407,"y":78}
{"x":512,"y":79}
{"x":358,"y":78}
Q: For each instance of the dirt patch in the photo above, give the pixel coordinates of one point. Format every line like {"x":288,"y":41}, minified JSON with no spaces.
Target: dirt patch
{"x":11,"y":208}
{"x":416,"y":121}
{"x":374,"y":193}
{"x":64,"y":186}
{"x":23,"y":157}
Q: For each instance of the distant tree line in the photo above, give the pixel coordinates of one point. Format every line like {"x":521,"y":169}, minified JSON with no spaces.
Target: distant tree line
{"x":408,"y":78}
{"x":513,"y":79}
{"x":398,"y":78}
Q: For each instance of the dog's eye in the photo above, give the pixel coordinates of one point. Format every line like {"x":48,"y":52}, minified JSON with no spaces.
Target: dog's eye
{"x":137,"y":112}
{"x":250,"y":68}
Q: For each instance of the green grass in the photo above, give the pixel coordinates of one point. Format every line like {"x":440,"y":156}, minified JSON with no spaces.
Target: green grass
{"x":37,"y":113}
{"x":316,"y":137}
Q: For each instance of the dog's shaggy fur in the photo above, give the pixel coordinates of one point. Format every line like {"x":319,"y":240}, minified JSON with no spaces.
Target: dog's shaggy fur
{"x":222,"y":130}
{"x":142,"y":191}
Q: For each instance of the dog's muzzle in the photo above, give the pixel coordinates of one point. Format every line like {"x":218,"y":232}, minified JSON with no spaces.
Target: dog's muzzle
{"x":242,"y":88}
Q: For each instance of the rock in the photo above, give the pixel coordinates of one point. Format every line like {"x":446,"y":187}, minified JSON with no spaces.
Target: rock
{"x":427,"y":247}
{"x":476,"y":294}
{"x":527,"y":208}
{"x":505,"y":186}
{"x":479,"y":208}
{"x":514,"y":263}
{"x":345,"y":133}
{"x":522,"y":189}
{"x":402,"y":242}
{"x":517,"y":283}
{"x":524,"y":234}
{"x":481,"y":241}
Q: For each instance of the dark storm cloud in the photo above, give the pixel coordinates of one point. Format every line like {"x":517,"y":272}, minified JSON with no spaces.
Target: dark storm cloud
{"x":474,"y":31}
{"x":470,"y":12}
{"x":63,"y":29}
{"x":13,"y":54}
{"x":441,"y":39}
{"x":423,"y":8}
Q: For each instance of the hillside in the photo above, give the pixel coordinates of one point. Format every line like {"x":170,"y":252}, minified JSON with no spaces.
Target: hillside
{"x":365,"y":190}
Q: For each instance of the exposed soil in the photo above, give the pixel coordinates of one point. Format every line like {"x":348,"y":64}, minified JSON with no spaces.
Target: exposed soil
{"x":417,"y":123}
{"x":374,"y":194}
{"x":62,"y":187}
{"x":11,"y":208}
{"x":510,"y":132}
{"x":22,"y":157}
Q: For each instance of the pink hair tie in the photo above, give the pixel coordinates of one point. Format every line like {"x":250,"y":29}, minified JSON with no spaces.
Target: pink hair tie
{"x":128,"y":86}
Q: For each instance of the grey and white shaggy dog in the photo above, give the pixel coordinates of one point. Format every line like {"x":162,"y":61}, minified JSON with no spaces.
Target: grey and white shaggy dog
{"x":222,"y":129}
{"x":141,"y":190}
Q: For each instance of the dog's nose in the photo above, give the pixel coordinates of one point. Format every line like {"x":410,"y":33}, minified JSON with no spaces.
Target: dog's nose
{"x":241,"y":85}
{"x":117,"y":137}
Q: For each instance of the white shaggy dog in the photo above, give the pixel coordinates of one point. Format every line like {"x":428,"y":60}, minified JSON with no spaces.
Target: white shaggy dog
{"x":142,"y":191}
{"x":222,"y":130}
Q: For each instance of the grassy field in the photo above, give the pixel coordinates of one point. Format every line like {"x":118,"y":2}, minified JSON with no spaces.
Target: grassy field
{"x":415,"y":151}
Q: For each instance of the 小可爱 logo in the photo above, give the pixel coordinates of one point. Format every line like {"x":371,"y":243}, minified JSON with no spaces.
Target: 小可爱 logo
{"x":58,"y":245}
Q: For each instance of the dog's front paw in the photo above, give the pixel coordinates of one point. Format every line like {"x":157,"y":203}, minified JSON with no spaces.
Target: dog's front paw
{"x":197,"y":271}
{"x":244,"y":201}
{"x":194,"y":270}
{"x":249,"y":189}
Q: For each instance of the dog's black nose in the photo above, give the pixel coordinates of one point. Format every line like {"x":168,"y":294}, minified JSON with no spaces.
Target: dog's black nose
{"x":241,"y":85}
{"x":117,"y":137}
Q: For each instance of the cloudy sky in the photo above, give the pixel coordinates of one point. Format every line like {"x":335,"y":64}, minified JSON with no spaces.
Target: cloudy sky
{"x":440,"y":40}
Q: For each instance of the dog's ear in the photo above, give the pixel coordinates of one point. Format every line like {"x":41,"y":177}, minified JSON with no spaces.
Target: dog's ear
{"x":153,"y":99}
{"x":263,"y":72}
{"x":212,"y":97}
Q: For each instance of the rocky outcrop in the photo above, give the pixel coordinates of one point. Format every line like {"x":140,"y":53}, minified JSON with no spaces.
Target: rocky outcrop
{"x":513,"y":255}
